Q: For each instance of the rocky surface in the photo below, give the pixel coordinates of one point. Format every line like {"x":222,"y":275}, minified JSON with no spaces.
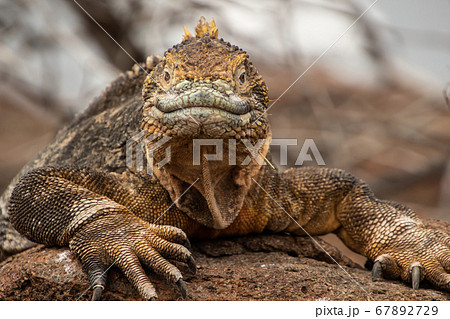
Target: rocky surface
{"x":263,"y":267}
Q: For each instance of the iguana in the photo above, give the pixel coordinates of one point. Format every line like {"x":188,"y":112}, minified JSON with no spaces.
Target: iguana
{"x":82,"y":192}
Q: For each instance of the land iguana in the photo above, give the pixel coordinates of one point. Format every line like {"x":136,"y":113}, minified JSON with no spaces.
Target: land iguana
{"x":81,"y":193}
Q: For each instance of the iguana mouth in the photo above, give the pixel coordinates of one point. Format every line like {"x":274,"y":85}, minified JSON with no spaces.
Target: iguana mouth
{"x":204,"y":94}
{"x":204,"y":115}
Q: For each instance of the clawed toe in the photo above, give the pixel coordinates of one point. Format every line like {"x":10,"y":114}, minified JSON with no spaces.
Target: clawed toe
{"x":187,"y":244}
{"x":416,"y":274}
{"x":182,"y":286}
{"x":385,"y":266}
{"x":376,"y":271}
{"x":192,"y":265}
{"x":98,"y":289}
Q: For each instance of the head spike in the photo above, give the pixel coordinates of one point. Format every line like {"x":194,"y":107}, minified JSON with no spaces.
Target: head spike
{"x":214,"y":32}
{"x":204,"y":28}
{"x":187,"y":34}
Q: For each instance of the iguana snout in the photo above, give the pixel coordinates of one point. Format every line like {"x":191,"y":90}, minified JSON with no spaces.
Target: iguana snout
{"x":203,"y":108}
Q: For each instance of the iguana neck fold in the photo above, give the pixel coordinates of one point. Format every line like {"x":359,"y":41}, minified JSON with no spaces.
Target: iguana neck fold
{"x":218,"y":188}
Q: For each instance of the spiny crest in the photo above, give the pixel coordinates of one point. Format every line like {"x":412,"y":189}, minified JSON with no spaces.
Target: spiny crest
{"x":203,"y":29}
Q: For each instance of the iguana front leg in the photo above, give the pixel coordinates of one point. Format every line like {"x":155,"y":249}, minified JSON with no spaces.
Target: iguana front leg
{"x":388,"y":233}
{"x":104,"y":223}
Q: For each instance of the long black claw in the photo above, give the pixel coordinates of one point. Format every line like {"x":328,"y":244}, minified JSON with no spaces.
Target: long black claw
{"x":192,"y":265}
{"x":182,"y":286}
{"x":98,"y":289}
{"x":187,"y":244}
{"x":416,"y":274}
{"x":153,"y":299}
{"x":376,"y":271}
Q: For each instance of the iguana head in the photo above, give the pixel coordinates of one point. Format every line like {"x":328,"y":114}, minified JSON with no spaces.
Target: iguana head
{"x":206,"y":88}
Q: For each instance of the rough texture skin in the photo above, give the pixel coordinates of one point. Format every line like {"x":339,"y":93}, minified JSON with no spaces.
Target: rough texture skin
{"x":80,"y":192}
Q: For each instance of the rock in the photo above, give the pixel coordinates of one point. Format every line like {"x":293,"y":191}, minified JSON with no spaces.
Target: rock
{"x":262,"y":267}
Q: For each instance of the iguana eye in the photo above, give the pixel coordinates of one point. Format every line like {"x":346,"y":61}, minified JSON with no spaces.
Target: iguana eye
{"x":241,"y":76}
{"x":166,"y":76}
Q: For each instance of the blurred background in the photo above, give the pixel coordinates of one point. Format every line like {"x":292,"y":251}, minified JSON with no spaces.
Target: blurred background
{"x":376,"y":103}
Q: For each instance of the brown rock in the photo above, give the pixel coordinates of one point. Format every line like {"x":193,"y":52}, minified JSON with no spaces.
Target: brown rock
{"x":263,"y":267}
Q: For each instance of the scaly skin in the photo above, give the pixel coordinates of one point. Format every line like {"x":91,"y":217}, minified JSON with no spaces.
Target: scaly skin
{"x":206,"y":88}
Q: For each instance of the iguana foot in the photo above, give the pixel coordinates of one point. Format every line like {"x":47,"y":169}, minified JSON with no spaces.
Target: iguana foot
{"x":127,"y":242}
{"x":417,"y":254}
